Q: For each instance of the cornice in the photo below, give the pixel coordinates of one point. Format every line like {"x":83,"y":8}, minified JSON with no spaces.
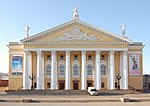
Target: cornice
{"x":136,"y":47}
{"x":74,"y":43}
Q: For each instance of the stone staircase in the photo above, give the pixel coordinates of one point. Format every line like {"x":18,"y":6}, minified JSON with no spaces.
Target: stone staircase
{"x":70,"y":92}
{"x":48,"y":92}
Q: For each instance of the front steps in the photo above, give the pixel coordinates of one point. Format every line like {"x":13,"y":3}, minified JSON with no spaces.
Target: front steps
{"x":70,"y":92}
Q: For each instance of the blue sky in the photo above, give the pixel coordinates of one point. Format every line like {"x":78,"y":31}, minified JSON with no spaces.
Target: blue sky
{"x":41,"y":15}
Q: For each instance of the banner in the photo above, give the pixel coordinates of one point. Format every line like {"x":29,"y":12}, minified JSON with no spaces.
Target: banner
{"x":134,"y":65}
{"x":16,"y":65}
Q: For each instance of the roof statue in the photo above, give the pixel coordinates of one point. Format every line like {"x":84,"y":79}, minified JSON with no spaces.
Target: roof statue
{"x":27,"y":28}
{"x":123,"y":28}
{"x":75,"y":13}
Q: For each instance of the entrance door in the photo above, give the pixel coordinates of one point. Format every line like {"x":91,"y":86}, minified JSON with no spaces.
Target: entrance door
{"x":75,"y":86}
{"x":90,"y":84}
{"x":61,"y":86}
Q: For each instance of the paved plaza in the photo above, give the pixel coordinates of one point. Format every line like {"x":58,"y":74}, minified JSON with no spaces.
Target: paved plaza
{"x":74,"y":100}
{"x":78,"y":104}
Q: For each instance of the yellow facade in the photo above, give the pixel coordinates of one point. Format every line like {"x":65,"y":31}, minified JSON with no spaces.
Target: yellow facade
{"x":48,"y":41}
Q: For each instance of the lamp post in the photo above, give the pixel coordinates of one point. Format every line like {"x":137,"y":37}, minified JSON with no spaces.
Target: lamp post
{"x":32,"y":78}
{"x":118,"y":78}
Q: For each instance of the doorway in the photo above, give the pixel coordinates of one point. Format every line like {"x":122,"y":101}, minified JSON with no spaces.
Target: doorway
{"x":75,"y":85}
{"x":61,"y":85}
{"x":89,"y":83}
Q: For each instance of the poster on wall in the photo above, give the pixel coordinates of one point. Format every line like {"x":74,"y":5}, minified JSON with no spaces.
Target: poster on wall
{"x":16,"y":65}
{"x":134,"y":65}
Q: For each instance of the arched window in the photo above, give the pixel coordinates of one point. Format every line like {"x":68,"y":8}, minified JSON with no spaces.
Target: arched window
{"x":48,"y":69}
{"x":75,"y":70}
{"x":89,"y":69}
{"x":61,"y":70}
{"x":103,"y":69}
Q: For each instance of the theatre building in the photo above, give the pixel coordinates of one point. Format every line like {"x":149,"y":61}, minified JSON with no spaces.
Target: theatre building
{"x":74,"y":56}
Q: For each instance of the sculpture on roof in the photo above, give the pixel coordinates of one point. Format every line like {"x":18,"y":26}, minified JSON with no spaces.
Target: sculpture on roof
{"x":75,"y":13}
{"x":27,"y":28}
{"x":123,"y":28}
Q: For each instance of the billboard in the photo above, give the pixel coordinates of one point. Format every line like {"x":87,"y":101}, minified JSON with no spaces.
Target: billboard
{"x":134,"y":65}
{"x":17,"y":65}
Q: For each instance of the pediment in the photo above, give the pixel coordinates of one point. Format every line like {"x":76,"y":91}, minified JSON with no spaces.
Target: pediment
{"x":75,"y":31}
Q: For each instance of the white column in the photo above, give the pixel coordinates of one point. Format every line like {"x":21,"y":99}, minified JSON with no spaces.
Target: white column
{"x":67,"y":77}
{"x":53,"y":71}
{"x":30,"y":68}
{"x":121,"y":71}
{"x":40,"y":71}
{"x":83,"y":76}
{"x":125,"y":69}
{"x":112,"y":71}
{"x":98,"y":71}
{"x":25,"y":73}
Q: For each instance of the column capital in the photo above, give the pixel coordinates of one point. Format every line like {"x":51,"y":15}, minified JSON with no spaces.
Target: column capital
{"x":83,"y":51}
{"x":53,"y":52}
{"x":67,"y":51}
{"x":111,"y":51}
{"x":97,"y":51}
{"x":125,"y":51}
{"x":29,"y":53}
{"x":38,"y":51}
{"x":25,"y":51}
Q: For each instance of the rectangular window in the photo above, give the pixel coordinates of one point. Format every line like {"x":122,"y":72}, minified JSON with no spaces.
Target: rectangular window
{"x":48,"y":57}
{"x":61,"y":57}
{"x":103,"y":57}
{"x":102,"y":85}
{"x":75,"y":57}
{"x":89,"y":57}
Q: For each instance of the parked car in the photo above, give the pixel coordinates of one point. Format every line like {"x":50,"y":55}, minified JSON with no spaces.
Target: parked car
{"x":92,"y":91}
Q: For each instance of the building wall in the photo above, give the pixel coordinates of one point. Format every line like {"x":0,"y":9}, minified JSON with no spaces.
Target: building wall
{"x":15,"y":82}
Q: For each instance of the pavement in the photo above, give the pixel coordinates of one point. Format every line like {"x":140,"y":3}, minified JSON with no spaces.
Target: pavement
{"x":144,"y":97}
{"x":78,"y":104}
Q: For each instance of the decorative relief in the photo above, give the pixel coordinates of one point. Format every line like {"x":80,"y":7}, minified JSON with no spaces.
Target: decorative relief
{"x":75,"y":34}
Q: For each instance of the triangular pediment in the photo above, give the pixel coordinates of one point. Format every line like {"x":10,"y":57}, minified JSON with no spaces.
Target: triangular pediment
{"x":75,"y":31}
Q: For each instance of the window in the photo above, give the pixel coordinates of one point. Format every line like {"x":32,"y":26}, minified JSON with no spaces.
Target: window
{"x":61,"y":57}
{"x":75,"y":70}
{"x":48,"y":57}
{"x":89,"y":69}
{"x":48,"y":69}
{"x":102,"y":85}
{"x":103,"y":69}
{"x":75,"y":57}
{"x":103,"y":57}
{"x":61,"y":70}
{"x":89,"y":57}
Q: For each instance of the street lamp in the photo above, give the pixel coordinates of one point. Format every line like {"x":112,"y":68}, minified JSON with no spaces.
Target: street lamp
{"x":118,"y":78}
{"x":32,"y":78}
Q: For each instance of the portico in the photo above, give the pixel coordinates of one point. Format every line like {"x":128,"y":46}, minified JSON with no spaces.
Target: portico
{"x":96,"y":71}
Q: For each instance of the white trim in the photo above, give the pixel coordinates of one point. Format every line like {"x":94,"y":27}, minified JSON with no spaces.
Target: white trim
{"x":136,"y":47}
{"x":77,"y":49}
{"x":135,"y":52}
{"x":68,"y":42}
